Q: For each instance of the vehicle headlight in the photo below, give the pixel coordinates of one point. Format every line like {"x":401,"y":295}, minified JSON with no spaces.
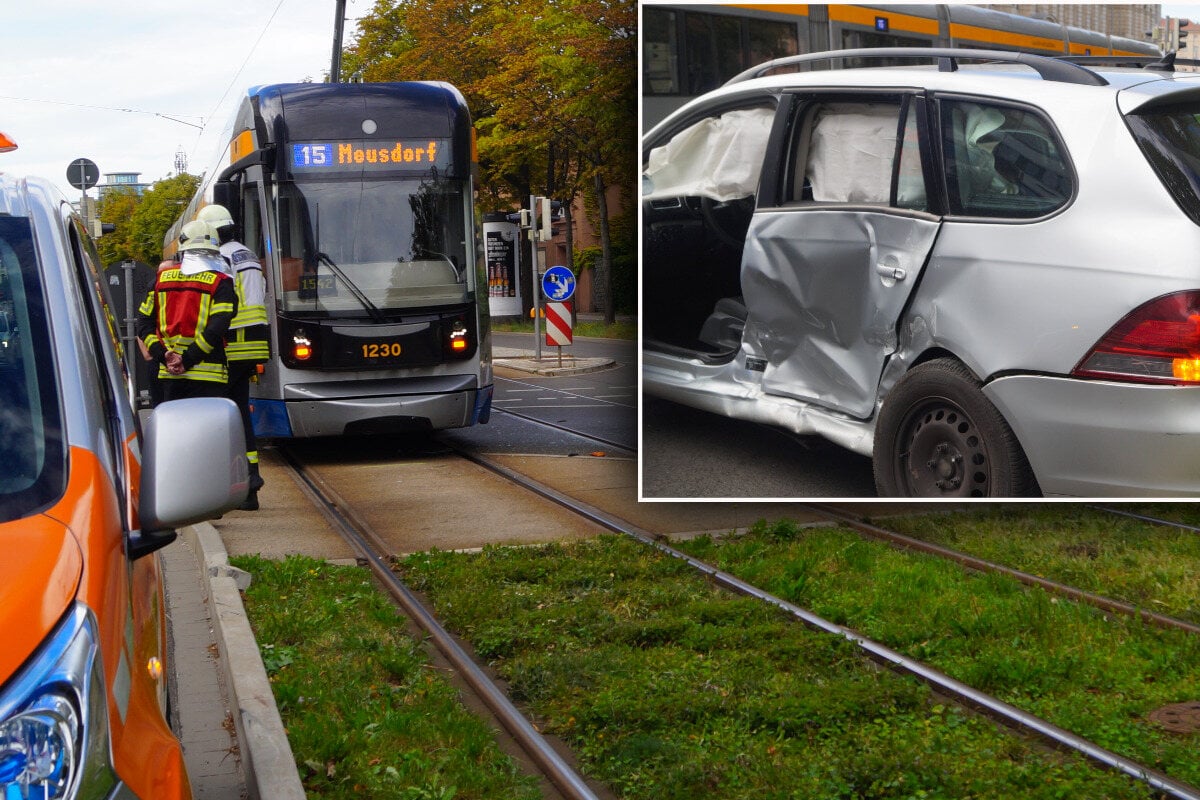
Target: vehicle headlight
{"x":37,"y":748}
{"x":53,"y":719}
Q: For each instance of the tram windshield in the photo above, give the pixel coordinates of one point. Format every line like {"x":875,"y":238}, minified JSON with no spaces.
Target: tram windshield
{"x":364,"y":248}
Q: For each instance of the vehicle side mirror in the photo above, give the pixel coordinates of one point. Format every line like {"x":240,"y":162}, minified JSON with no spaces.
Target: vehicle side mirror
{"x":193,"y":468}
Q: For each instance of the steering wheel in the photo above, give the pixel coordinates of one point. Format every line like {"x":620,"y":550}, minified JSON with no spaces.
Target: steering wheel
{"x":725,"y":219}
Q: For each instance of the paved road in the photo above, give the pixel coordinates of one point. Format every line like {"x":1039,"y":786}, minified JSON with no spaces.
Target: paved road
{"x":690,"y":453}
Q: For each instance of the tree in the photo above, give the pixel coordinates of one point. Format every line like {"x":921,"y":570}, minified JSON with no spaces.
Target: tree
{"x":551,"y":85}
{"x":116,"y":207}
{"x":161,"y":205}
{"x":141,"y":223}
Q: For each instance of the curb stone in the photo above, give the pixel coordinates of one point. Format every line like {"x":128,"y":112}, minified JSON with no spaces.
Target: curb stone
{"x":270,"y":767}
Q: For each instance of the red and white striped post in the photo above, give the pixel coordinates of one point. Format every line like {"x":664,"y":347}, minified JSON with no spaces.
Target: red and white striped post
{"x":558,"y":326}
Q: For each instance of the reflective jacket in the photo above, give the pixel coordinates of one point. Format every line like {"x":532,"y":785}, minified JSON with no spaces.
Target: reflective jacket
{"x":189,"y":314}
{"x":249,"y":338}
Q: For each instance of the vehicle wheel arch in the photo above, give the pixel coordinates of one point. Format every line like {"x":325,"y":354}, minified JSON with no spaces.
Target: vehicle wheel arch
{"x":936,"y":432}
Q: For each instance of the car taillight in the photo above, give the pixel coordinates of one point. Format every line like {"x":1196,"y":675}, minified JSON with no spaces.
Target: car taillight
{"x":1159,"y":342}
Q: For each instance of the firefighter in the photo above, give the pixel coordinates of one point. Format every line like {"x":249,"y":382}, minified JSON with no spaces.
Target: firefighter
{"x":184,"y":319}
{"x":248,"y":342}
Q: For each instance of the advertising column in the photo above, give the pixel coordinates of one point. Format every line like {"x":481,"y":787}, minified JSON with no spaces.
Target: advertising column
{"x":500,"y":241}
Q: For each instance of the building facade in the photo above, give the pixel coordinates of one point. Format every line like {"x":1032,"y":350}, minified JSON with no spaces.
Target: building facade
{"x":123,"y":180}
{"x":1130,"y":20}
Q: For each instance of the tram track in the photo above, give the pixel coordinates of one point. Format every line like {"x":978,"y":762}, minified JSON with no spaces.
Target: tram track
{"x":1120,"y":512}
{"x":968,"y":561}
{"x":374,"y":552}
{"x":991,"y":706}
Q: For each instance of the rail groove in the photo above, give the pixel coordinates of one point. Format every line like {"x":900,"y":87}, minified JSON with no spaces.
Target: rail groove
{"x":993,"y":707}
{"x":370,"y":549}
{"x":982,"y":565}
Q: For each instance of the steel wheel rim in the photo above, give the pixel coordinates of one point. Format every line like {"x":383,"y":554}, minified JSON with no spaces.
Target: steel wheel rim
{"x":942,"y":453}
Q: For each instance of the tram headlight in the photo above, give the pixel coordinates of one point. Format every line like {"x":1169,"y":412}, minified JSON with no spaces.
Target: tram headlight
{"x":302,"y":349}
{"x":460,"y":338}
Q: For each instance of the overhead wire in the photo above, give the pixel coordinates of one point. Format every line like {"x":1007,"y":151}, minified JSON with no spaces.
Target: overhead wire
{"x":237,"y":74}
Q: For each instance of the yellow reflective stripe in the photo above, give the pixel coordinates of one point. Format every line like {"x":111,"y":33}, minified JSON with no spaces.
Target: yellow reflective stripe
{"x":252,"y":456}
{"x":204,"y":371}
{"x":249,"y":315}
{"x":247,"y":351}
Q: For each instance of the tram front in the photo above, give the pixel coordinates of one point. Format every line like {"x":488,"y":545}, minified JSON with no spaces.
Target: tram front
{"x":369,"y":235}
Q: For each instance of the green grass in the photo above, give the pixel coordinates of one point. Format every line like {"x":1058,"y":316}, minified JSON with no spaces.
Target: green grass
{"x":665,"y":687}
{"x":1156,"y":568}
{"x":668,"y":688}
{"x":365,"y":714}
{"x":1092,"y":674}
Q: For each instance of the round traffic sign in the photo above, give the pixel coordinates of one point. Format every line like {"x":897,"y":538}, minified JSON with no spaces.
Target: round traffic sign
{"x":558,"y":283}
{"x":83,"y":173}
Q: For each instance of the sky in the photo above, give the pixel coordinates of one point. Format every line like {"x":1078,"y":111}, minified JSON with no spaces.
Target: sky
{"x":1182,"y":10}
{"x":102,"y":79}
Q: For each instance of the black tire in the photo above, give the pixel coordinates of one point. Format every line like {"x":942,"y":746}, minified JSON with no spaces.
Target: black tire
{"x":939,"y":436}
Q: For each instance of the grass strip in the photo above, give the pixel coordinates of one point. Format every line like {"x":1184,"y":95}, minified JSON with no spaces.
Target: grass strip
{"x":1095,"y":675}
{"x":668,"y":688}
{"x":365,"y":714}
{"x":1149,"y":566}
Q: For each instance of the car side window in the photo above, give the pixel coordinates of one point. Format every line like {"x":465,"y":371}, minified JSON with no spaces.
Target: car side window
{"x":1002,"y":161}
{"x":865,"y":153}
{"x":719,"y":157}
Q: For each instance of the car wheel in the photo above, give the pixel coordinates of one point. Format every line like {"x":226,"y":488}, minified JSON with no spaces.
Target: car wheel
{"x":939,"y":436}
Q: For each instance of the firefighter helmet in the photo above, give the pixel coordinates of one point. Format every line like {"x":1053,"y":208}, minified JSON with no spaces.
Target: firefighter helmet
{"x":215,"y":215}
{"x":198,"y":235}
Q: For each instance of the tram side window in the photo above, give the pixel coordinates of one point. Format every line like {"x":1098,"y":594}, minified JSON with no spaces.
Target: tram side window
{"x":714,"y":49}
{"x":660,"y":47}
{"x":252,"y":234}
{"x":853,"y":40}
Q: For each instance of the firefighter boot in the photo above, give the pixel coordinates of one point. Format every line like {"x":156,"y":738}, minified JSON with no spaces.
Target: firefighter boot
{"x":256,"y":483}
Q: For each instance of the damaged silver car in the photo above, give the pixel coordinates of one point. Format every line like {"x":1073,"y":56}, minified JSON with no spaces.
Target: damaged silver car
{"x":985,"y":277}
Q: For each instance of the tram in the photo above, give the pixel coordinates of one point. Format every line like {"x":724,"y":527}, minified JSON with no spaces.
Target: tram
{"x":688,"y":50}
{"x":358,"y":199}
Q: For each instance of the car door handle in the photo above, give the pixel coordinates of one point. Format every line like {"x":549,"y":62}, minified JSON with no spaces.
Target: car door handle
{"x":891,"y":271}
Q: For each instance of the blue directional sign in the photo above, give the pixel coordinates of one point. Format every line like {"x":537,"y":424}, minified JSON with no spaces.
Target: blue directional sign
{"x":558,"y":284}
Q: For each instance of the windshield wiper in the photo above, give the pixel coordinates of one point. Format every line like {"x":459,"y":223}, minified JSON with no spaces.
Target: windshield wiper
{"x":364,"y":301}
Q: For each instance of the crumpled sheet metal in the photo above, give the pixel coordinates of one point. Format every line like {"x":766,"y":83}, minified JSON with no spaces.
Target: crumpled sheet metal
{"x":820,"y":313}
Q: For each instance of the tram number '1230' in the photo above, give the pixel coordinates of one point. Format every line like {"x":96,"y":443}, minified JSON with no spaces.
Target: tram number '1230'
{"x":381,"y":350}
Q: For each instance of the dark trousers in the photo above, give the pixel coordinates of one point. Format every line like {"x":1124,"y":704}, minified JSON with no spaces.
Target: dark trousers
{"x":182,"y":389}
{"x":240,"y":373}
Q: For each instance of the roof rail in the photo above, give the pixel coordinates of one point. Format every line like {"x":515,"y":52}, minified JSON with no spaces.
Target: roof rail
{"x":1156,"y":63}
{"x":1051,"y":69}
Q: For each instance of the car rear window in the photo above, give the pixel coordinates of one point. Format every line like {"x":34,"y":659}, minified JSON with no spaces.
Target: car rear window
{"x":31,"y":446}
{"x":1170,"y":139}
{"x":1002,"y":161}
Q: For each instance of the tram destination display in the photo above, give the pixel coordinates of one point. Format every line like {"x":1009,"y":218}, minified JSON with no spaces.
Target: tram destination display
{"x":371,"y":155}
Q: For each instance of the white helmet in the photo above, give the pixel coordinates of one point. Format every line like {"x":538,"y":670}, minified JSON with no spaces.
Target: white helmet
{"x":215,"y":215}
{"x":198,"y":235}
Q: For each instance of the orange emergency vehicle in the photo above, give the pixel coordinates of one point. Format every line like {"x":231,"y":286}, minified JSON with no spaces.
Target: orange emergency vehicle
{"x":88,"y":495}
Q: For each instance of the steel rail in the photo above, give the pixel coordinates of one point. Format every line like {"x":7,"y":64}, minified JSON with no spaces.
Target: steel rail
{"x":992,"y":706}
{"x":564,"y":429}
{"x":365,"y":542}
{"x":1143,"y":518}
{"x":982,"y":565}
